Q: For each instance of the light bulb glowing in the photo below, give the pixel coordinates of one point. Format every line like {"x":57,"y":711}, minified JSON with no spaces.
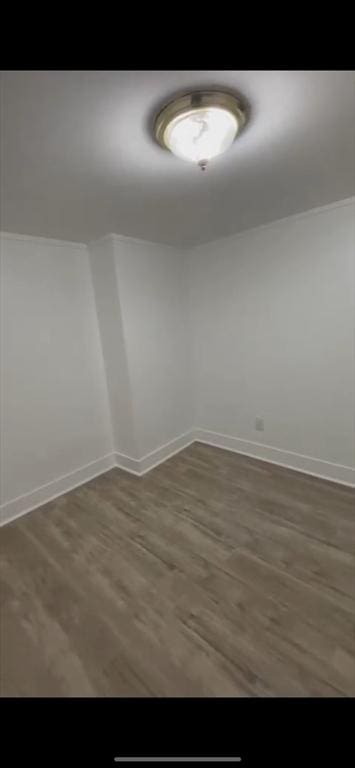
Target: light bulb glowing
{"x":201,"y":134}
{"x":200,"y":125}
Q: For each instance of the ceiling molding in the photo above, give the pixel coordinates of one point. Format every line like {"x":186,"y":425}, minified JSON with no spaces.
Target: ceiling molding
{"x":41,"y":240}
{"x":113,"y":236}
{"x":303,"y":215}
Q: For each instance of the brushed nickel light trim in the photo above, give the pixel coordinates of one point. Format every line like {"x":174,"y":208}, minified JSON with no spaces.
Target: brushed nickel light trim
{"x":192,"y":102}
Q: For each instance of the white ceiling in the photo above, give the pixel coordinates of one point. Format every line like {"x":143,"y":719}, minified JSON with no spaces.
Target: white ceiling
{"x":79,"y":160}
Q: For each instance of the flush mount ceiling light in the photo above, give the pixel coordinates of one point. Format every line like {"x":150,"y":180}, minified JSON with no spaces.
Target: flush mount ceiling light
{"x":200,"y":125}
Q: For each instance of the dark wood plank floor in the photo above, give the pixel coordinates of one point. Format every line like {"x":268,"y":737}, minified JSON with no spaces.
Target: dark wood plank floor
{"x":213,"y":575}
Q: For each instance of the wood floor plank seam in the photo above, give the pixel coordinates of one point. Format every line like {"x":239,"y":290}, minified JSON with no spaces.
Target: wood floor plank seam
{"x":212,"y":575}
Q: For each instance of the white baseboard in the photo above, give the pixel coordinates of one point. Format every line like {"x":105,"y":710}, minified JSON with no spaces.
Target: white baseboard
{"x":126,"y":463}
{"x":165,"y":452}
{"x":317,"y":467}
{"x":326,"y":470}
{"x":150,"y":460}
{"x":28,"y":501}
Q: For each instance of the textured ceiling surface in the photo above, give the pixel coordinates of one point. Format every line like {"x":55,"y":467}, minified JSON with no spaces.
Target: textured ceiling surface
{"x":78,"y":159}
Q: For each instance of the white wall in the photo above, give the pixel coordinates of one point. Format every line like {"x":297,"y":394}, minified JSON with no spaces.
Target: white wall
{"x":273,"y":319}
{"x":54,"y":413}
{"x":141,"y":296}
{"x":92,"y":361}
{"x":262,"y":324}
{"x":153,"y":299}
{"x":115,"y":353}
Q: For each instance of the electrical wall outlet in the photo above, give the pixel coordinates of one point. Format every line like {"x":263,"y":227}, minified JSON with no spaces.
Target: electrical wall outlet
{"x":259,"y":424}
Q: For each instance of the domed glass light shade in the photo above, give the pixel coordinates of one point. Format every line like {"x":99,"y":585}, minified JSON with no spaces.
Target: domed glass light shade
{"x":199,"y":126}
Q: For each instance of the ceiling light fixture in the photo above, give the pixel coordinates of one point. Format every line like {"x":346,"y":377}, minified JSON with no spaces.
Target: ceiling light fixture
{"x":199,"y":125}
